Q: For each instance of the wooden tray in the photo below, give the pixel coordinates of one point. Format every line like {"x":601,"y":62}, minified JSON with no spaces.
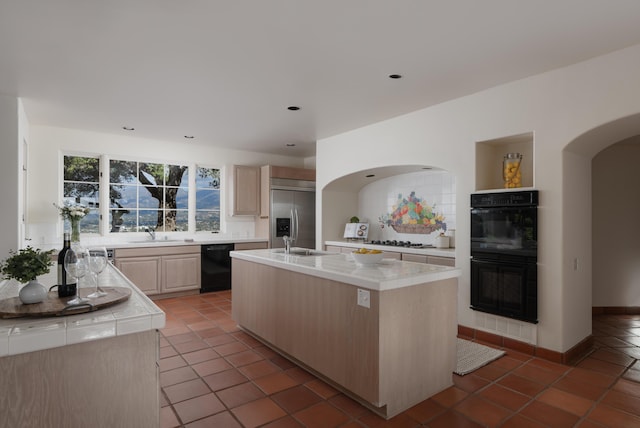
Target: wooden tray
{"x":54,"y":306}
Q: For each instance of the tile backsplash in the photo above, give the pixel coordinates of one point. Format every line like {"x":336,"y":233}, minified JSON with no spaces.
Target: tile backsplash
{"x":436,"y":189}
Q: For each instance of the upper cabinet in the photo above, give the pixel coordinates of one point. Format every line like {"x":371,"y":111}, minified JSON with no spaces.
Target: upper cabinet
{"x":246,"y":190}
{"x":490,"y":159}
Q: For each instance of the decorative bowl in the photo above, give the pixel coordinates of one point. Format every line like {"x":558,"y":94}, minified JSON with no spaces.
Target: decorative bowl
{"x":367,"y":259}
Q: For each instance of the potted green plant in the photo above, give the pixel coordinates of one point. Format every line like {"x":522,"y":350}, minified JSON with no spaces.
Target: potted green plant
{"x":25,"y":266}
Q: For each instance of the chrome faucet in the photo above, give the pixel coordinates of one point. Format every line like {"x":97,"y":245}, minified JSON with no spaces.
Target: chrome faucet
{"x":287,"y":244}
{"x":151,"y":231}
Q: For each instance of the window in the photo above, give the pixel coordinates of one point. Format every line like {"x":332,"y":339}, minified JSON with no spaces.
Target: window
{"x":81,"y":186}
{"x":208,"y":199}
{"x":145,"y":195}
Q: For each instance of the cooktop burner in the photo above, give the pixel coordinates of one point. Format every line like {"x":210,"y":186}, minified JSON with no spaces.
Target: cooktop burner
{"x":407,"y":244}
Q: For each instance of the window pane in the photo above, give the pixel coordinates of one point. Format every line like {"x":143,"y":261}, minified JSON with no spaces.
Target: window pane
{"x":122,"y":172}
{"x":176,"y":175}
{"x":79,"y":168}
{"x":91,"y":222}
{"x":151,"y":174}
{"x":81,"y":193}
{"x":147,"y":197}
{"x":123,"y":196}
{"x":149,"y":218}
{"x":123,"y":221}
{"x":208,"y":220}
{"x":208,"y":178}
{"x":181,"y":198}
{"x":207,"y":199}
{"x":117,"y":218}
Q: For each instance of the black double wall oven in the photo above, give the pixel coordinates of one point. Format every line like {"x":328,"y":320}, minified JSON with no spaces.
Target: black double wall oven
{"x":504,"y":254}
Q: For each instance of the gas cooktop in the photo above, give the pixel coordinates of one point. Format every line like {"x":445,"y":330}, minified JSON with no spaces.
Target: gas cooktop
{"x":407,"y":244}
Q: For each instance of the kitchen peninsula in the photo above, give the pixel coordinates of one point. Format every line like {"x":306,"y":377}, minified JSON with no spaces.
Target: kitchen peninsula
{"x":93,"y":369}
{"x":385,"y":334}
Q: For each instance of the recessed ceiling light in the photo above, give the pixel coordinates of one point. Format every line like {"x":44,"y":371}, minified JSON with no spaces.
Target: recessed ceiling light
{"x":293,"y":108}
{"x":370,"y":175}
{"x":128,"y":128}
{"x":189,"y":137}
{"x":291,"y":145}
{"x":395,"y":76}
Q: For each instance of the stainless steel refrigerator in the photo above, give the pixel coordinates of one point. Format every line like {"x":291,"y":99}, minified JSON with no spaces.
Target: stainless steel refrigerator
{"x":293,"y":212}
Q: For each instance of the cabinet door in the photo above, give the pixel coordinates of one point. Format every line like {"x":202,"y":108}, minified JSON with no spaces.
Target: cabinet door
{"x":180,"y":272}
{"x":246,"y":190}
{"x":144,"y":272}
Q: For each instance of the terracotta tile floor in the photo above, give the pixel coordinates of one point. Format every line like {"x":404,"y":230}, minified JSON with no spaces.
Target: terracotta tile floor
{"x":214,"y":375}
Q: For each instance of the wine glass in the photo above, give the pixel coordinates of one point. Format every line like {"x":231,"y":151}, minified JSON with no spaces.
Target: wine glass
{"x":76,"y":263}
{"x":97,"y":263}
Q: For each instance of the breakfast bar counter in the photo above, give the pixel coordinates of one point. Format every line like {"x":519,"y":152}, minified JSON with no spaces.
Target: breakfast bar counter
{"x":384,"y":334}
{"x":92,"y":369}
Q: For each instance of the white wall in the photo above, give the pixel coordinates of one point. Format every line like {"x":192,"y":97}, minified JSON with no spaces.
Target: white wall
{"x":616,"y":232}
{"x":48,"y":144}
{"x":558,"y":107}
{"x":10,"y":175}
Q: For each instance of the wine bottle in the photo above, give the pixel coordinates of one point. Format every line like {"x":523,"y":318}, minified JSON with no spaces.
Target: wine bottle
{"x":64,"y":288}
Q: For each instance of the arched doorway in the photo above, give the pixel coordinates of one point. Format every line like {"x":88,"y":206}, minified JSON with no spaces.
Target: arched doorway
{"x":577,"y":220}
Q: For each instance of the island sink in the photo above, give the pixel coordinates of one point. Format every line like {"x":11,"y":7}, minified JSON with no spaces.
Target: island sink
{"x":301,"y":252}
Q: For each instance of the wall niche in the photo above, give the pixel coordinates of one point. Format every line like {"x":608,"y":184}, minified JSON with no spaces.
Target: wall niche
{"x":489,"y":161}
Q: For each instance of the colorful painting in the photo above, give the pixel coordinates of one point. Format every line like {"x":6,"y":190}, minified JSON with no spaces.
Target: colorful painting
{"x":413,"y":215}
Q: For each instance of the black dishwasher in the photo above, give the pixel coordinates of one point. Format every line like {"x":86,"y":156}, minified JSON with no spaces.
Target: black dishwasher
{"x":215,"y":267}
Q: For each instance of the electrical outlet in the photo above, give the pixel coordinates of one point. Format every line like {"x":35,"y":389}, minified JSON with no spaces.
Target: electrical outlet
{"x":364,"y":298}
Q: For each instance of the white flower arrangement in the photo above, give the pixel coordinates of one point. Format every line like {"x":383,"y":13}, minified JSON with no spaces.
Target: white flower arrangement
{"x":72,"y":213}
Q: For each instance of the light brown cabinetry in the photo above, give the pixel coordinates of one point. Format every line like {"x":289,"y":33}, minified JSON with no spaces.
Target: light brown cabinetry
{"x":246,"y":190}
{"x":111,"y":382}
{"x":161,"y":269}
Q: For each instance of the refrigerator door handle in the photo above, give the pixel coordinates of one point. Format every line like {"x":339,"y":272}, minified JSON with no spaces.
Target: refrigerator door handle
{"x":295,"y":212}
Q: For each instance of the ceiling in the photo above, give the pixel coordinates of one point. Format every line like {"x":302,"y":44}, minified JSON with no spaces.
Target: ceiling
{"x":225,"y":72}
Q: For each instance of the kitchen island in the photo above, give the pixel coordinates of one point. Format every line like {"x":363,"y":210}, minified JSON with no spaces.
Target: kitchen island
{"x":93,"y":369}
{"x":384,"y":334}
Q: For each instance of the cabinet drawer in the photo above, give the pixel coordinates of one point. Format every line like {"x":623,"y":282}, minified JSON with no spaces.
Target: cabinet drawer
{"x":249,"y":246}
{"x":442,"y":261}
{"x":418,"y":258}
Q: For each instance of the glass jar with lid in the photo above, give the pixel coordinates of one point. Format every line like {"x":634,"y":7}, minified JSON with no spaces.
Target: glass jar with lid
{"x":511,"y":173}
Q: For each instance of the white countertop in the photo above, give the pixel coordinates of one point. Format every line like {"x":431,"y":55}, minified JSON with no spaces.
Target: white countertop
{"x":387,"y":275}
{"x":440,"y":252}
{"x":137,"y":314}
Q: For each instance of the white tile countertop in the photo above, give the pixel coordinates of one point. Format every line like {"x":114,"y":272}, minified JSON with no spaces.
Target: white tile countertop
{"x":137,"y":314}
{"x":386,"y":275}
{"x":440,"y":252}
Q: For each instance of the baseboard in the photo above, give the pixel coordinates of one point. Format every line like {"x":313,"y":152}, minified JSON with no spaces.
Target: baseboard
{"x":573,"y":355}
{"x":615,"y":310}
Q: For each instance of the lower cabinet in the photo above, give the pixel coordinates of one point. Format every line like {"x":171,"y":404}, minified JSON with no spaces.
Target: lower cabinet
{"x":162,"y":269}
